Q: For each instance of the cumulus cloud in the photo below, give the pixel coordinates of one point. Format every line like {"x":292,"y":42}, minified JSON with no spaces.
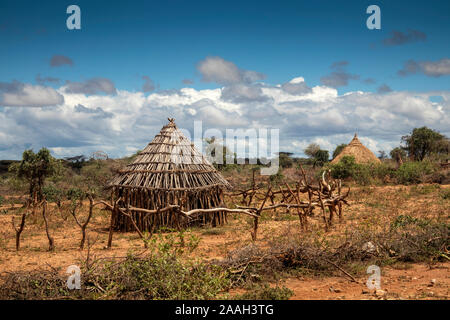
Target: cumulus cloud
{"x":241,"y":93}
{"x":98,"y":112}
{"x":17,"y":94}
{"x":399,"y":38}
{"x":91,"y":86}
{"x":60,"y":60}
{"x":430,"y":68}
{"x":122,"y":123}
{"x":296,"y":86}
{"x":148,"y":85}
{"x":339,"y":77}
{"x":218,"y":70}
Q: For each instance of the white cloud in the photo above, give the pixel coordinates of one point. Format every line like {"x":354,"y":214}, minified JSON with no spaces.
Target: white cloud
{"x":297,"y":80}
{"x":27,"y":95}
{"x":91,"y":86}
{"x":430,"y":68}
{"x":216,"y":69}
{"x":122,"y":123}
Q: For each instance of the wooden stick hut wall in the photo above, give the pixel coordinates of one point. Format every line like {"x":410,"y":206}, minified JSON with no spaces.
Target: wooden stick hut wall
{"x":169,"y":171}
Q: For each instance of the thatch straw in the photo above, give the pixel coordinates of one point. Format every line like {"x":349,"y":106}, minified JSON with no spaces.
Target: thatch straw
{"x":356,"y":149}
{"x":169,"y":162}
{"x":168,"y":170}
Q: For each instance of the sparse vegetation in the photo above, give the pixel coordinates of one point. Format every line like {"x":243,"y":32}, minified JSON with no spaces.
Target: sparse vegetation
{"x":318,"y":157}
{"x":423,"y":142}
{"x":413,"y":172}
{"x":265,"y":292}
{"x":158,"y":275}
{"x":35,"y":168}
{"x":397,"y":219}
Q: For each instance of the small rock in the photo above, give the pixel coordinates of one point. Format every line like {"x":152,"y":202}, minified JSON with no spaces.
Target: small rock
{"x":335,"y":290}
{"x":432,"y":282}
{"x":369,"y":247}
{"x":380,"y":293}
{"x":365,"y":291}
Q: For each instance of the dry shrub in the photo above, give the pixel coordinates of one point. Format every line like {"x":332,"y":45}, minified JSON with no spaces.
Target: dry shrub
{"x":406,"y":239}
{"x":160,"y":274}
{"x":265,"y":292}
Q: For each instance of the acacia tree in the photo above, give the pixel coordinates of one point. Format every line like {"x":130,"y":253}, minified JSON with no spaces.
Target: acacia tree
{"x":422,"y":142}
{"x":35,"y":168}
{"x":318,"y":156}
{"x":226,"y":154}
{"x":398,"y":154}
{"x":312,"y":149}
{"x":286,"y":160}
{"x":321,"y":157}
{"x":382,"y":154}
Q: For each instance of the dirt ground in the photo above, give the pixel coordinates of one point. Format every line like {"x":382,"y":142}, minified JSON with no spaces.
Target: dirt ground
{"x":417,"y":282}
{"x":368,"y":204}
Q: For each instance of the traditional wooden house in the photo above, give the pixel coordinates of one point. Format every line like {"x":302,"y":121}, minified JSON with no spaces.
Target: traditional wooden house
{"x":356,"y":149}
{"x":169,"y":171}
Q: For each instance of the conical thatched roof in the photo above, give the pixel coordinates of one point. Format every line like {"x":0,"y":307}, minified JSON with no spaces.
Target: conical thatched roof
{"x":356,"y":149}
{"x":170,"y":162}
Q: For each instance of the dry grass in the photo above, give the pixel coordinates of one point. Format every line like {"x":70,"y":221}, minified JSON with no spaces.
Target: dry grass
{"x":373,"y":210}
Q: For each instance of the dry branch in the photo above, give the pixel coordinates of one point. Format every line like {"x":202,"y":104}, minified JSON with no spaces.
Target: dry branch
{"x":51,"y":243}
{"x":84,"y":225}
{"x":20,"y":229}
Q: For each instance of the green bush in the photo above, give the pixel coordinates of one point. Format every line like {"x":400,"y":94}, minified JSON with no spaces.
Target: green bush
{"x":416,"y":240}
{"x":413,"y":172}
{"x":96,"y":175}
{"x":383,"y":170}
{"x":265,"y":292}
{"x":406,"y":220}
{"x":364,"y":174}
{"x":161,"y":274}
{"x":285,"y":160}
{"x":75,"y":194}
{"x":162,"y":277}
{"x":52,"y":194}
{"x":345,"y":168}
{"x":445,"y":194}
{"x":277,"y":177}
{"x":16,"y":184}
{"x":407,"y":173}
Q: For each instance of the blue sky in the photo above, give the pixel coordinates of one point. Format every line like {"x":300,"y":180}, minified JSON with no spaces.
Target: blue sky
{"x":166,"y":41}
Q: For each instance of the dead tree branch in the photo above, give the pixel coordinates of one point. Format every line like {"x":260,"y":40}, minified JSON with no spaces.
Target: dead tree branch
{"x":84,"y":225}
{"x":51,"y":243}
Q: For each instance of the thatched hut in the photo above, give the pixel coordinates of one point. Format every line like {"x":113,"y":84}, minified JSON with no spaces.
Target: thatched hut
{"x":169,"y":171}
{"x":356,"y":149}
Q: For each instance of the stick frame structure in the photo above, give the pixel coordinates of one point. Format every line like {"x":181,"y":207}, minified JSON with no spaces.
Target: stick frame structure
{"x":170,"y":171}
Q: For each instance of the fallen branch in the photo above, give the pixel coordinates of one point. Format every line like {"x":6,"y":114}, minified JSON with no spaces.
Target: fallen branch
{"x":345,"y":272}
